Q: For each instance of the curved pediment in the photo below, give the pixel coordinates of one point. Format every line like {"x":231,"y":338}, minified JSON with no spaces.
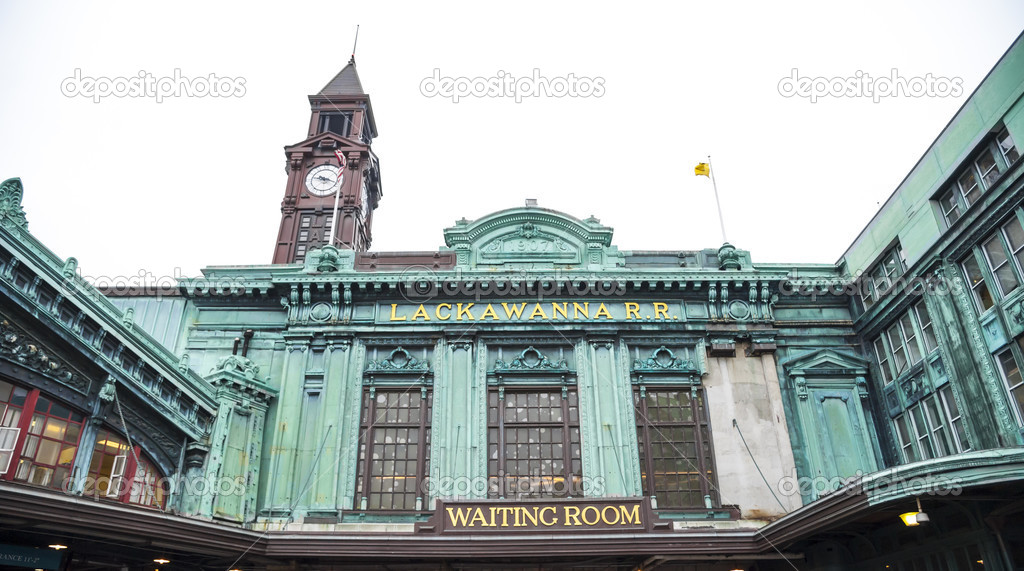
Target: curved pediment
{"x":532,"y":237}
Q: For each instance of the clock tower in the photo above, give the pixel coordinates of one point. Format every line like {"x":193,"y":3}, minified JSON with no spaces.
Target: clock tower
{"x":318,"y":189}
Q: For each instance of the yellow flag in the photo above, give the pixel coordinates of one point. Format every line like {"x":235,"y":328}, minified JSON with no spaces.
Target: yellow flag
{"x":702,"y":169}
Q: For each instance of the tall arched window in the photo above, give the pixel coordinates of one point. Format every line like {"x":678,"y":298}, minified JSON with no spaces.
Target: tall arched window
{"x":118,"y":474}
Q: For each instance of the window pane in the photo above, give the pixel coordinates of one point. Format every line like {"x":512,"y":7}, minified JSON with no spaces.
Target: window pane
{"x":883,"y":360}
{"x":1007,"y":148}
{"x":879,"y":278}
{"x":913,"y":350}
{"x":974,"y":278}
{"x":675,"y":448}
{"x":988,"y":168}
{"x":867,"y":291}
{"x":906,"y":439}
{"x":892,"y":266}
{"x":1010,"y":370}
{"x":541,"y":456}
{"x":938,"y":422}
{"x":953,"y":414}
{"x":1014,"y":234}
{"x":1017,"y":395}
{"x":50,"y":449}
{"x":18,"y":396}
{"x":899,"y":354}
{"x":998,"y":262}
{"x":47,"y":452}
{"x":923,"y":432}
{"x":1014,"y":382}
{"x":394,"y":452}
{"x":927,"y":333}
{"x":950,"y":207}
{"x":969,"y":188}
{"x":148,"y":489}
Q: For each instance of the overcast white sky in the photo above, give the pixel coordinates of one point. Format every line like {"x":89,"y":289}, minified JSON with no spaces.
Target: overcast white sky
{"x":129,"y":184}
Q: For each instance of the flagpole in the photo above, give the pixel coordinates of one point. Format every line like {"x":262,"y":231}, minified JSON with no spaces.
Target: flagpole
{"x":337,"y":193}
{"x":334,"y":217}
{"x":721,"y":220}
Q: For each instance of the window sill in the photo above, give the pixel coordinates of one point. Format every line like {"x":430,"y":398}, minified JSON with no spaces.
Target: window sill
{"x":383,"y":516}
{"x":700,"y":514}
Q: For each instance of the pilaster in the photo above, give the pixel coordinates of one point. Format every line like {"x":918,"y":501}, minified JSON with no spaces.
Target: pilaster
{"x":460,"y":434}
{"x":975,"y":375}
{"x":607,"y":426}
{"x":284,"y":436}
{"x":236,"y":443}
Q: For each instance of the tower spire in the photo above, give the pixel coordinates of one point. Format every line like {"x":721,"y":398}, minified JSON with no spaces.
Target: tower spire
{"x":333,"y":175}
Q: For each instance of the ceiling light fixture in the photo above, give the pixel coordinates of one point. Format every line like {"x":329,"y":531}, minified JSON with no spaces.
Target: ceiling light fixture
{"x":915,"y":518}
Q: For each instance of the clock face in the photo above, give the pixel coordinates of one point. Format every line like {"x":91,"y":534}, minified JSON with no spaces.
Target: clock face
{"x":323,"y":180}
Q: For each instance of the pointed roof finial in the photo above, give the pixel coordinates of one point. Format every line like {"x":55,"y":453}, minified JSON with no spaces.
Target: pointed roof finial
{"x":347,"y":81}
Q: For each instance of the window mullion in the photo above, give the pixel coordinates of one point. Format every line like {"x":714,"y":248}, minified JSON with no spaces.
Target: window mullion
{"x":567,"y":444}
{"x":421,"y":456}
{"x":699,"y":432}
{"x":647,"y":446}
{"x":502,"y":479}
{"x":371,"y":414}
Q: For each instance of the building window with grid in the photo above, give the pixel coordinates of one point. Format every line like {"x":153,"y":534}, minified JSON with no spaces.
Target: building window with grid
{"x":394,"y":448}
{"x":1007,"y":149}
{"x":116,"y":473}
{"x":979,"y":289}
{"x":1003,"y":270}
{"x":50,"y":444}
{"x":148,"y":487}
{"x":534,"y":443}
{"x":314,"y":230}
{"x":109,"y":460}
{"x":1009,"y":365}
{"x":676,"y":464}
{"x":882,"y":276}
{"x":38,"y":437}
{"x":977,"y":176}
{"x":905,"y":343}
{"x":931,"y":428}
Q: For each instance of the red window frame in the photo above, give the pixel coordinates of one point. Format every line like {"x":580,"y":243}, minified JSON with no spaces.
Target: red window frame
{"x":46,"y":424}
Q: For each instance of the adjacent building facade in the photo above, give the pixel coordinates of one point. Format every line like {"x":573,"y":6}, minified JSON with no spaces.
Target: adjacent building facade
{"x":528,"y":396}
